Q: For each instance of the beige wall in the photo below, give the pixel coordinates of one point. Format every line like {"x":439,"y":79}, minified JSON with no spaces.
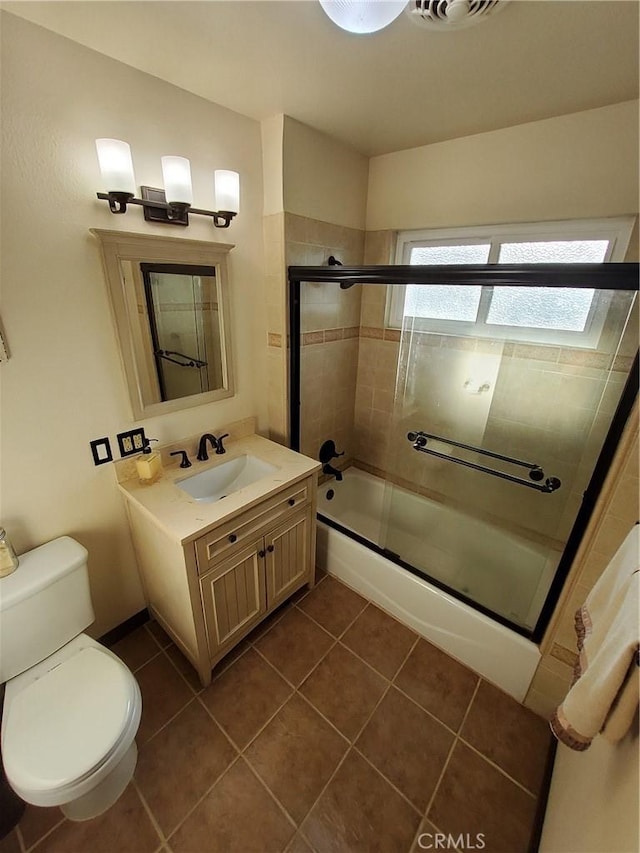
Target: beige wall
{"x":272,"y":130}
{"x":63,"y":385}
{"x":574,"y":166}
{"x":323,"y":179}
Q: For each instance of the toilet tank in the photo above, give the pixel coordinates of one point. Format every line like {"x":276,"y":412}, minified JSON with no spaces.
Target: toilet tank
{"x":45,"y":603}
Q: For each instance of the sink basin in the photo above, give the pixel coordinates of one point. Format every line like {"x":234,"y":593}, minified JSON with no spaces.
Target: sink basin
{"x":222,"y":480}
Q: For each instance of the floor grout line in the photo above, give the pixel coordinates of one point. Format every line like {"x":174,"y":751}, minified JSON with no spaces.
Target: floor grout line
{"x":200,"y":799}
{"x":149,"y":811}
{"x":273,"y":796}
{"x":42,"y":837}
{"x":499,"y":768}
{"x":451,"y":749}
{"x":388,"y":781}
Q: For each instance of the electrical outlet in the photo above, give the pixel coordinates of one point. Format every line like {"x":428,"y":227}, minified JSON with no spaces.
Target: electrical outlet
{"x":132,"y":441}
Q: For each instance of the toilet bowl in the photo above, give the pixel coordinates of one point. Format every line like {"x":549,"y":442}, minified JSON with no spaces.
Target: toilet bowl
{"x":69,"y":719}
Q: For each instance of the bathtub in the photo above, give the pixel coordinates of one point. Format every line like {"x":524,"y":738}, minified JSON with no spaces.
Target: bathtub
{"x":360,"y":503}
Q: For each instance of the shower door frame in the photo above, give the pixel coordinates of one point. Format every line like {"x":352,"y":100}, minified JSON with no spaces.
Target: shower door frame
{"x":610,"y":276}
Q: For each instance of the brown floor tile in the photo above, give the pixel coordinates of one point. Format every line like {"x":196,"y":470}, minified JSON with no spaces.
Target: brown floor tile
{"x":360,"y":811}
{"x":184,"y":667}
{"x":294,"y":645}
{"x":191,"y":749}
{"x":231,"y":656}
{"x":244,"y":697}
{"x":164,"y":693}
{"x":407,"y":746}
{"x":10,"y":844}
{"x":333,"y":605}
{"x":136,"y":648}
{"x":380,"y":640}
{"x":344,"y":689}
{"x":237,"y":816}
{"x":474,"y":797}
{"x":509,"y":734}
{"x":37,"y":821}
{"x":125,"y":828}
{"x":298,"y":845}
{"x":442,"y":685}
{"x":159,"y":634}
{"x":295,"y":755}
{"x":267,"y":624}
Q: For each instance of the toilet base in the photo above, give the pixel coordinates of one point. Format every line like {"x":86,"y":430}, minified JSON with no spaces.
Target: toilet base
{"x":105,"y":794}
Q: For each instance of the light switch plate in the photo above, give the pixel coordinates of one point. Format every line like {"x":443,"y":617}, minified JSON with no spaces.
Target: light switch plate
{"x":101,"y":451}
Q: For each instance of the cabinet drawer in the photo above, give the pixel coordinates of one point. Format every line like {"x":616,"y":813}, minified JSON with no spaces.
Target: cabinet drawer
{"x":234,"y":534}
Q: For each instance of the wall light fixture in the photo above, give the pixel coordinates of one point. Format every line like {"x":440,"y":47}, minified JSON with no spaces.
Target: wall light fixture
{"x":171,"y":205}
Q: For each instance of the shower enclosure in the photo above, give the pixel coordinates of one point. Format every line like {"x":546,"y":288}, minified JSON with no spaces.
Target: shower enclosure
{"x":478,"y":419}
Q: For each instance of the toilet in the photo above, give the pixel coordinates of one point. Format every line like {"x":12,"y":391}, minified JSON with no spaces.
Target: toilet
{"x":71,"y":707}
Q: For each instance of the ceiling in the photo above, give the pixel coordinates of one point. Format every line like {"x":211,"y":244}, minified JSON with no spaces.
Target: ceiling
{"x":402,"y":87}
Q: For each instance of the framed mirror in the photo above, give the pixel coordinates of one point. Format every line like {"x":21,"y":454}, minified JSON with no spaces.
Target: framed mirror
{"x":170,"y":307}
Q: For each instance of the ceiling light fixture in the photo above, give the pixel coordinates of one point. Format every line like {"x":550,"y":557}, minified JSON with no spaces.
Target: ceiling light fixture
{"x":171,"y":205}
{"x":363,"y":16}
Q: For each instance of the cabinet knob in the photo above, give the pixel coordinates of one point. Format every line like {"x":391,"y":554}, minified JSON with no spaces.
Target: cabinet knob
{"x":291,"y":501}
{"x":232,"y":537}
{"x":270,"y":548}
{"x":261,"y":553}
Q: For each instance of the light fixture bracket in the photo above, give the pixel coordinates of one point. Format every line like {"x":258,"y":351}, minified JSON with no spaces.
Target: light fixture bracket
{"x":156,"y":208}
{"x":172,"y":216}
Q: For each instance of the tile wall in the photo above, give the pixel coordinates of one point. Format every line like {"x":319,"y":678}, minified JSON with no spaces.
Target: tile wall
{"x":330,"y":319}
{"x":547,"y":404}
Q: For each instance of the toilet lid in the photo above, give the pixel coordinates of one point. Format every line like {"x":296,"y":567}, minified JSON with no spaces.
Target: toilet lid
{"x":61,"y":726}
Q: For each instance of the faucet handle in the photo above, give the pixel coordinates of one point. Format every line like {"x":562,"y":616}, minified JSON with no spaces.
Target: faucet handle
{"x":184,"y":462}
{"x":219,"y":447}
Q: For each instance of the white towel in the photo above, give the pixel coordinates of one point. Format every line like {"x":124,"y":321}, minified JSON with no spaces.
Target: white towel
{"x":604,"y":694}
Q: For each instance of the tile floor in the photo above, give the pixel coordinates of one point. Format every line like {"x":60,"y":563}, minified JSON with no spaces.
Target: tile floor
{"x":333,"y":727}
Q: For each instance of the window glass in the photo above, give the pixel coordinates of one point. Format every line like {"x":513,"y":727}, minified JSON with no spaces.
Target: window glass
{"x":442,"y":302}
{"x":541,"y":307}
{"x":554,"y":252}
{"x":469,"y":254}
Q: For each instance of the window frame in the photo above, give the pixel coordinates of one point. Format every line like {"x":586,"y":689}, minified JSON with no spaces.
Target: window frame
{"x":617,"y":231}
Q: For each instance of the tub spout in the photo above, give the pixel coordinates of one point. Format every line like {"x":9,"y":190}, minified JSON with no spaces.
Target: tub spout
{"x":329,"y":469}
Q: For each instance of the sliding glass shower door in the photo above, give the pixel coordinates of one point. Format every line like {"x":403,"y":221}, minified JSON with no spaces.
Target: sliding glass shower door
{"x":503,"y":398}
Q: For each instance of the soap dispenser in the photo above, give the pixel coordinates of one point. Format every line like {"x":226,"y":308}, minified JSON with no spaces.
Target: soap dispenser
{"x":149,"y":464}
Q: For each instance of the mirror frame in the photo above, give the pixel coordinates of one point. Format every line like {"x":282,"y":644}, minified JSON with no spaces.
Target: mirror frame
{"x":118,"y":246}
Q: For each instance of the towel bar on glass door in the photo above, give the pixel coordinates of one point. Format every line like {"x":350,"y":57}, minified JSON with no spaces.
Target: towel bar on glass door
{"x":551,"y":484}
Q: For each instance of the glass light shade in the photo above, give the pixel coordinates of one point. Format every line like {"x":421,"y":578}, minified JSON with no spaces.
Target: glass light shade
{"x":116,"y":166}
{"x":363,"y":16}
{"x":227,"y":189}
{"x":176,"y":175}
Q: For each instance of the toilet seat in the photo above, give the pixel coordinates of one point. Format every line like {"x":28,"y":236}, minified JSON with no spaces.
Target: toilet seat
{"x":66,"y":725}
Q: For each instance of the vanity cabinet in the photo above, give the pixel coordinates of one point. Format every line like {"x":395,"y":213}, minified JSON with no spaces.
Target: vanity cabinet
{"x":211,"y":591}
{"x":258,"y":576}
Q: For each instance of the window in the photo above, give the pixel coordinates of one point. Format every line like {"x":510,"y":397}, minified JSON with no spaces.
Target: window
{"x":573,"y":316}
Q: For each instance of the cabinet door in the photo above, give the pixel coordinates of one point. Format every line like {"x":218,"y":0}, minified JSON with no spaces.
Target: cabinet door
{"x":288,"y":557}
{"x":233,"y":596}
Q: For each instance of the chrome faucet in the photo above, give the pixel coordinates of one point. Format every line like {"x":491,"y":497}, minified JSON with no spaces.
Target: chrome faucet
{"x":215,"y":442}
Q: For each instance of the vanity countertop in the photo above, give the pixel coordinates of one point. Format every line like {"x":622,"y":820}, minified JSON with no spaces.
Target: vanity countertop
{"x":184,"y":518}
